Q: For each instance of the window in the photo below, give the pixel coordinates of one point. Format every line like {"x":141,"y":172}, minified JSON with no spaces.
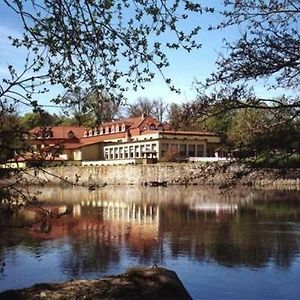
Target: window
{"x":182,"y":150}
{"x":200,"y":150}
{"x":70,"y":134}
{"x":192,"y":151}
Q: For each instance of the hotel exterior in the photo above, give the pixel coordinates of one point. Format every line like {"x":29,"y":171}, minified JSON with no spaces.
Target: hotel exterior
{"x":128,"y":140}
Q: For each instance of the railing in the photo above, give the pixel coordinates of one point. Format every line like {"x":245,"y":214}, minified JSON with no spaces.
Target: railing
{"x":110,"y":162}
{"x":208,"y":159}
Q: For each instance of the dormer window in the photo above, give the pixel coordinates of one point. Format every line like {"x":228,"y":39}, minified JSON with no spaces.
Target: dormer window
{"x":40,"y":134}
{"x":71,"y":134}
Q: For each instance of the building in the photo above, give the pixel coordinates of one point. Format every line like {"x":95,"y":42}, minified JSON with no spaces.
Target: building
{"x":124,"y":140}
{"x":56,"y":141}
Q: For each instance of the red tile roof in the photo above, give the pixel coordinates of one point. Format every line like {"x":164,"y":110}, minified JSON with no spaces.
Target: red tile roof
{"x":61,"y":132}
{"x":133,"y":122}
{"x":202,"y":133}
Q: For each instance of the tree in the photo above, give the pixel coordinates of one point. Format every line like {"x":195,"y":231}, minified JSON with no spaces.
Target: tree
{"x":74,"y":104}
{"x":144,"y":106}
{"x":260,"y":132}
{"x":12,"y":133}
{"x":268,"y":49}
{"x":160,"y":109}
{"x":102,"y":106}
{"x":270,"y":44}
{"x":38,"y":119}
{"x":105,"y":44}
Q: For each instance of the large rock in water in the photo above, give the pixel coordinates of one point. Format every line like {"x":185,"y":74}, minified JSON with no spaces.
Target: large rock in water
{"x":137,"y":283}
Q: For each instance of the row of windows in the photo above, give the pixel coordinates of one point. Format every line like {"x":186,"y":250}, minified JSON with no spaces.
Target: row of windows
{"x":182,"y":150}
{"x":105,"y":130}
{"x":123,"y":152}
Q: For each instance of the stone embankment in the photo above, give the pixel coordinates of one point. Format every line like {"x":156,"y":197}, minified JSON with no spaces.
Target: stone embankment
{"x":139,"y":283}
{"x":223,"y":175}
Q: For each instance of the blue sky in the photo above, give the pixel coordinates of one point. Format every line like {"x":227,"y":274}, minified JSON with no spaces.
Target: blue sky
{"x":184,"y":67}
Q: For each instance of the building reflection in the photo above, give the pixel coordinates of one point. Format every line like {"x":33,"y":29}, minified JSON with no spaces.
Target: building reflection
{"x":154,"y":225}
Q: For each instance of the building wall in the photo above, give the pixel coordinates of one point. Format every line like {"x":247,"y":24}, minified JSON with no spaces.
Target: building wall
{"x":91,"y":152}
{"x":131,"y":150}
{"x":77,"y":154}
{"x":67,"y":154}
{"x":153,"y":145}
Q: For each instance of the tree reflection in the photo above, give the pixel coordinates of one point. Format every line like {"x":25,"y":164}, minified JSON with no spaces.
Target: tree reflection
{"x":102,"y":230}
{"x":251,"y":237}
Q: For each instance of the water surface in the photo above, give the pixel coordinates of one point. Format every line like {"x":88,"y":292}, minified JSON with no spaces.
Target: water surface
{"x":240,"y":245}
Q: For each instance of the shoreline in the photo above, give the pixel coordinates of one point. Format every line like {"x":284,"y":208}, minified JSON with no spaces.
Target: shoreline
{"x":136,"y":283}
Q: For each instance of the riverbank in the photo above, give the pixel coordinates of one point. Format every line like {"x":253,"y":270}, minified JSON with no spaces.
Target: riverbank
{"x":138,"y":283}
{"x":213,"y":174}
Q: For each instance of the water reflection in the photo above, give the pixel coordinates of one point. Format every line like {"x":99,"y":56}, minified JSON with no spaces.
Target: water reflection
{"x":115,"y":228}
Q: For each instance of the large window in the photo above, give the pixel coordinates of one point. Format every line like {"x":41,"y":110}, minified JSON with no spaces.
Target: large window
{"x":182,"y":150}
{"x":192,"y":151}
{"x":200,"y":150}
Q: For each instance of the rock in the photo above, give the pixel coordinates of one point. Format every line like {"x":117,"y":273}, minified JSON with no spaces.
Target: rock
{"x":137,"y":283}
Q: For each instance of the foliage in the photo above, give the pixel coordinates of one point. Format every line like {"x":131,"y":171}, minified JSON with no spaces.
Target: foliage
{"x":12,"y":139}
{"x":267,"y":49}
{"x":264,"y":132}
{"x":38,"y":119}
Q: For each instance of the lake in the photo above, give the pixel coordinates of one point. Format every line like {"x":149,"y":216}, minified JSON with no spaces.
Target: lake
{"x":244,"y":244}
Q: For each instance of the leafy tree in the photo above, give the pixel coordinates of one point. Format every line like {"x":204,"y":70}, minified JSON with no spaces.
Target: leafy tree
{"x":257,"y":132}
{"x":39,"y":119}
{"x":11,"y":134}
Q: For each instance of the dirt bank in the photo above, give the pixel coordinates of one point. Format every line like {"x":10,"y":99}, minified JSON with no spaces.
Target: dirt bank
{"x":139,"y":283}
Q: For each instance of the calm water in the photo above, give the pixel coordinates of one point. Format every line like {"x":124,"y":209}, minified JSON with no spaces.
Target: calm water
{"x":244,"y":245}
